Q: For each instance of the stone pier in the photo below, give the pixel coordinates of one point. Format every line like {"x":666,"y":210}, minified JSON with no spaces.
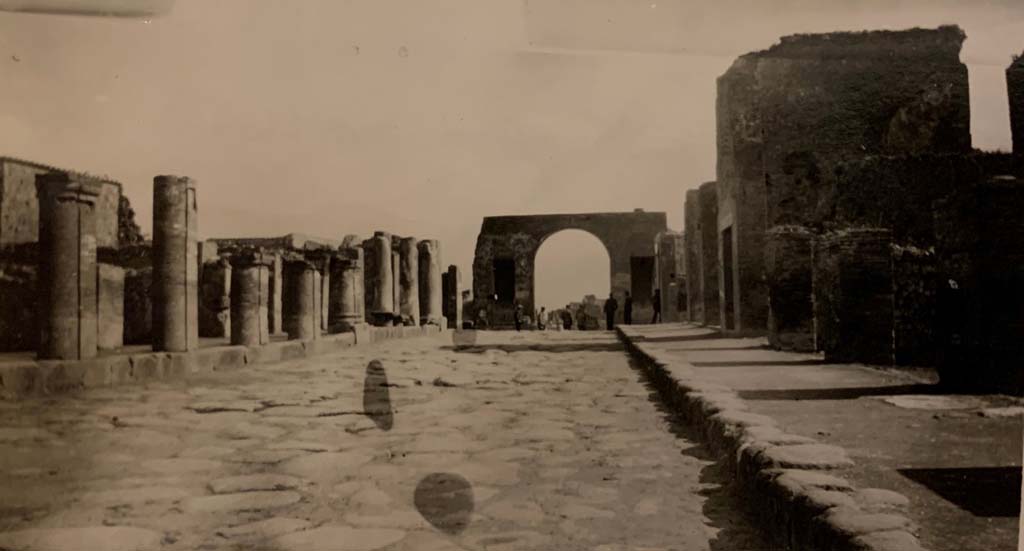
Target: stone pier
{"x":408,"y":280}
{"x":346,"y":299}
{"x":788,"y":253}
{"x":451,"y":285}
{"x":691,"y":245}
{"x":1015,"y":89}
{"x":430,"y":282}
{"x":215,"y":299}
{"x":110,"y":306}
{"x":396,"y":280}
{"x":301,"y":298}
{"x":671,"y":275}
{"x":250,"y":297}
{"x":274,"y":307}
{"x":853,"y":296}
{"x":323,"y":312}
{"x":378,"y":279}
{"x":67,"y":266}
{"x":175,"y":265}
{"x":709,"y":261}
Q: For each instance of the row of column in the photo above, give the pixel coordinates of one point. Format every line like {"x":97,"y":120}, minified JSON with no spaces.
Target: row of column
{"x":402,"y":280}
{"x":398,"y":281}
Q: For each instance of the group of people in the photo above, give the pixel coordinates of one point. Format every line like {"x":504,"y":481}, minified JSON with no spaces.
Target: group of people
{"x":611,"y":306}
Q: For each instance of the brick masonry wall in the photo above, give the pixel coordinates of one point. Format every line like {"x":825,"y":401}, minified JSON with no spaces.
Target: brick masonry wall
{"x":914,"y":295}
{"x":788,"y":254}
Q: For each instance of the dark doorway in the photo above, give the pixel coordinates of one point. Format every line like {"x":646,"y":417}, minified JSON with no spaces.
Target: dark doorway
{"x":641,"y":274}
{"x":505,"y":280}
{"x":728,"y":291}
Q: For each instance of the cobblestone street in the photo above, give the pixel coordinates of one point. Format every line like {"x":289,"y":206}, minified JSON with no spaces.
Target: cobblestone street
{"x":549,"y":439}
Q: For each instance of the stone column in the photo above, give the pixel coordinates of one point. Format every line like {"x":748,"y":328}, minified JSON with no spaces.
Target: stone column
{"x":301,"y":299}
{"x":377,"y":278}
{"x":430,"y":282}
{"x":396,"y":280}
{"x":451,"y":282}
{"x":323,"y":314}
{"x":692,"y":246}
{"x":274,"y":311}
{"x":250,"y":298}
{"x":215,"y":299}
{"x":67,"y":266}
{"x":175,"y":265}
{"x":346,"y":290}
{"x":408,"y":279}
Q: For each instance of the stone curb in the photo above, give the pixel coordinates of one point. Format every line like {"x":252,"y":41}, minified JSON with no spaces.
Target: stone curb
{"x":46,"y":377}
{"x":791,"y":482}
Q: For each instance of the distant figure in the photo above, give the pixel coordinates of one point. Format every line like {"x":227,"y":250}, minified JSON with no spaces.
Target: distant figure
{"x":481,"y":318}
{"x":518,"y":316}
{"x":656,"y":302}
{"x":541,"y":317}
{"x":627,"y":310}
{"x":566,"y":319}
{"x":610,"y":306}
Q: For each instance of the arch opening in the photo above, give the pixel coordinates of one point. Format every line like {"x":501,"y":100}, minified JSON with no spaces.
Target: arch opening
{"x":569,"y":266}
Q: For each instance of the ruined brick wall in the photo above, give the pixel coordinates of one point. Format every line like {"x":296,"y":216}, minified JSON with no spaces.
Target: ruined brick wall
{"x":138,"y":305}
{"x":897,"y":192}
{"x":741,"y":195}
{"x":709,"y":272}
{"x":691,"y":244}
{"x":853,"y":296}
{"x":914,"y":272}
{"x":1015,"y":89}
{"x":19,"y":207}
{"x":980,"y":236}
{"x":19,"y":304}
{"x":788,"y":253}
{"x":215,"y":299}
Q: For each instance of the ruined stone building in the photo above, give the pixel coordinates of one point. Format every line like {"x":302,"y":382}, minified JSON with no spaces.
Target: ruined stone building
{"x":842,"y":160}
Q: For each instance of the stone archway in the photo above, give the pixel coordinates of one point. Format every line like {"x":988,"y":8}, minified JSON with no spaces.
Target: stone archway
{"x":506,"y":251}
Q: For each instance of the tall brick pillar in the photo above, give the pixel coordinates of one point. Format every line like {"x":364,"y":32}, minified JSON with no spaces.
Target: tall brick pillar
{"x":451,"y":284}
{"x":301,"y":299}
{"x":377,"y":279}
{"x":1015,"y":88}
{"x":396,"y":280}
{"x":408,"y":280}
{"x":67,"y":266}
{"x":250,"y":298}
{"x":788,"y":266}
{"x":691,"y":244}
{"x":853,"y":296}
{"x":430,"y":282}
{"x":346,"y":290}
{"x":710,"y":271}
{"x":175,"y":265}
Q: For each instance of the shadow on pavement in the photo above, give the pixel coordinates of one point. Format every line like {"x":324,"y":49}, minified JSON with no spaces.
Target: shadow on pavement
{"x":721,"y":348}
{"x":981,"y":491}
{"x":843,"y":393}
{"x":724,"y":506}
{"x":682,"y":338}
{"x":562,"y":347}
{"x":377,"y":397}
{"x":758,"y":363}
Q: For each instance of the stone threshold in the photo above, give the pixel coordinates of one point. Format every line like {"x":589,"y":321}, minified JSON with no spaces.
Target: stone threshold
{"x":46,"y":377}
{"x":792,"y":483}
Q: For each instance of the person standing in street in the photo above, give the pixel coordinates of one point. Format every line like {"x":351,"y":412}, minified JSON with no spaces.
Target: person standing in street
{"x":518,"y":316}
{"x":542,"y":318}
{"x":610,"y":306}
{"x":656,"y":304}
{"x":627,"y":310}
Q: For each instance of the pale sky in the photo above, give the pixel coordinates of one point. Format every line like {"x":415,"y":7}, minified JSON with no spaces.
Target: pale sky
{"x":422,"y":116}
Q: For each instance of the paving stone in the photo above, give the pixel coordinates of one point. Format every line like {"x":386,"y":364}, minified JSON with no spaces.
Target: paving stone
{"x":577,"y":511}
{"x":253,"y":482}
{"x":128,"y":496}
{"x":879,"y":498}
{"x":852,"y":521}
{"x":108,"y":538}
{"x":326,"y":466}
{"x":182,"y":465}
{"x":267,"y":528}
{"x":805,"y":456}
{"x":889,"y":540}
{"x":245,"y":501}
{"x":519,"y":512}
{"x":339,"y":538}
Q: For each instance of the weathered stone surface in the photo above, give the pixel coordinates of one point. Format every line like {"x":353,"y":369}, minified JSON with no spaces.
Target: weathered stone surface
{"x":888,"y":540}
{"x":269,"y":528}
{"x":431,"y":299}
{"x":109,"y":538}
{"x":805,"y":456}
{"x":250,"y":295}
{"x":301,"y":299}
{"x":339,"y":538}
{"x":254,"y":482}
{"x":503,"y":264}
{"x":245,"y":501}
{"x":110,"y":306}
{"x":671,"y":275}
{"x":409,"y":281}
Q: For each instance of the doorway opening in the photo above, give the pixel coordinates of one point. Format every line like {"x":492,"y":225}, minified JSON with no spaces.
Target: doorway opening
{"x":505,"y":280}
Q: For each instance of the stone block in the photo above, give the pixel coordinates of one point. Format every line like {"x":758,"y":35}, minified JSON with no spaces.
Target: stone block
{"x":110,"y":306}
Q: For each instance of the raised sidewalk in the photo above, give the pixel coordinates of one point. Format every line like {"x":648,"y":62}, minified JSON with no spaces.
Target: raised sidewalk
{"x":22,"y":375}
{"x":842,"y":456}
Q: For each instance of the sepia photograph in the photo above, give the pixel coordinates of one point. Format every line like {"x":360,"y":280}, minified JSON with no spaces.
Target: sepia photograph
{"x":511,"y":275}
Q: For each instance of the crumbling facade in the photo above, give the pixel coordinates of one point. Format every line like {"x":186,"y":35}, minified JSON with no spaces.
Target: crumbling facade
{"x":506,"y":250}
{"x":1015,"y":89}
{"x":781,"y":134}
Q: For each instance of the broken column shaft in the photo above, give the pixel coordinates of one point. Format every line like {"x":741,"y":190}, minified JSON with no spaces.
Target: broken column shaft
{"x":301,"y":299}
{"x":377,"y":278}
{"x":67,"y":266}
{"x":408,"y":280}
{"x":175,"y":265}
{"x":430,"y":282}
{"x":346,"y":297}
{"x":250,"y":298}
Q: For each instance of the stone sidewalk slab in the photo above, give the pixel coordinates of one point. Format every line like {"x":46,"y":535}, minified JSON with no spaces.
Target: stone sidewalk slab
{"x":913,"y":462}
